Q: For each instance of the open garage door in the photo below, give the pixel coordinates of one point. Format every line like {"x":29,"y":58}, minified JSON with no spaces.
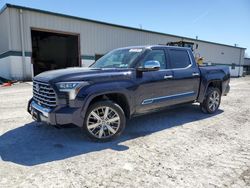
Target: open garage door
{"x":52,"y":50}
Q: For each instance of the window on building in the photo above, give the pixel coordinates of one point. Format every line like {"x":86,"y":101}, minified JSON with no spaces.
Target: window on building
{"x":179,"y":58}
{"x":156,"y":55}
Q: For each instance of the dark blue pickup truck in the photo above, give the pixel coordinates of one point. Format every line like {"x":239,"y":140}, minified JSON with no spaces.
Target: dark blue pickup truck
{"x":124,"y":83}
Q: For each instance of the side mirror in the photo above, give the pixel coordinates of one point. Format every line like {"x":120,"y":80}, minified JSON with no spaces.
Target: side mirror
{"x":151,"y":65}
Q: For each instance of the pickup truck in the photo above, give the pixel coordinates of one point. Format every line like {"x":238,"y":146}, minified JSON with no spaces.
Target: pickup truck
{"x":124,"y":83}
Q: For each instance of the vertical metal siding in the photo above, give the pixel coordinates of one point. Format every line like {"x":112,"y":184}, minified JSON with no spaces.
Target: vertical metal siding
{"x":15,"y":37}
{"x":219,"y":54}
{"x":4,"y":30}
{"x":100,"y":38}
{"x":95,"y":38}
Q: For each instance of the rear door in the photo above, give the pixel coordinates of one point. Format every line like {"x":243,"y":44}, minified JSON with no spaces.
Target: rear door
{"x":186,"y":75}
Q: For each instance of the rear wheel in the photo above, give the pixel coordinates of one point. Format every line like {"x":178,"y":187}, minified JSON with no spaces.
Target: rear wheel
{"x":212,"y":101}
{"x":104,"y":121}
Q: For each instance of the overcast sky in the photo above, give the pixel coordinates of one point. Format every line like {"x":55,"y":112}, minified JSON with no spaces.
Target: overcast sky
{"x":221,"y":21}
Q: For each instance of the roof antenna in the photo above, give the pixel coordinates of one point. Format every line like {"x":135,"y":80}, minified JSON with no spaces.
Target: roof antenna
{"x":140,"y":25}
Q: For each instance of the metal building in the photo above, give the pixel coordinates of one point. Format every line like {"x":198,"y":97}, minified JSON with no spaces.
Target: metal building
{"x":32,"y":41}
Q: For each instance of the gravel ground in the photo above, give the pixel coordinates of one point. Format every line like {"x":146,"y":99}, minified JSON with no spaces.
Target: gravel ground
{"x":174,"y":148}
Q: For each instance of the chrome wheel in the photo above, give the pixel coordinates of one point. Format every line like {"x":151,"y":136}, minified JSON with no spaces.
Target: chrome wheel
{"x":103,"y":122}
{"x":214,"y":101}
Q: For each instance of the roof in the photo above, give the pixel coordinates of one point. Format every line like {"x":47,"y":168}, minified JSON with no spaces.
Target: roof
{"x":153,"y":46}
{"x":110,"y":24}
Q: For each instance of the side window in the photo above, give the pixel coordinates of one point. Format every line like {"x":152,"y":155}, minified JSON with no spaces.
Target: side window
{"x":156,"y":55}
{"x":179,"y":58}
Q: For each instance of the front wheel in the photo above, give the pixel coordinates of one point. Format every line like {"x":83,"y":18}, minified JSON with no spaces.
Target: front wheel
{"x":104,"y":121}
{"x":212,"y":100}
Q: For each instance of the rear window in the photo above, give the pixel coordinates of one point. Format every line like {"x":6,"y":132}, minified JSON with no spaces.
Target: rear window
{"x":179,"y":58}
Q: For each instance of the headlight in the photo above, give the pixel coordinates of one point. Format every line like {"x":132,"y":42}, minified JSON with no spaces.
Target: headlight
{"x":72,"y":88}
{"x":67,"y":86}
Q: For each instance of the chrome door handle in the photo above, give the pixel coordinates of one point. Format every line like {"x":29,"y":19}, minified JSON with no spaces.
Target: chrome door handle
{"x":195,"y":74}
{"x":168,"y":76}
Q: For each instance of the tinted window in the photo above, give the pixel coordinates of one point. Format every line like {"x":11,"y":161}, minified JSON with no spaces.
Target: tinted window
{"x":121,"y":58}
{"x":156,"y":55}
{"x":179,"y":58}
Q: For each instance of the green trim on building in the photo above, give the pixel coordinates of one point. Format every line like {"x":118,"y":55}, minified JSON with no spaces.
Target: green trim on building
{"x":14,"y":53}
{"x":88,"y":57}
{"x":230,"y":65}
{"x":29,"y":54}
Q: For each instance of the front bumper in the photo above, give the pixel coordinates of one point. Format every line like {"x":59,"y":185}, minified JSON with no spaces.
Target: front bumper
{"x":60,"y":115}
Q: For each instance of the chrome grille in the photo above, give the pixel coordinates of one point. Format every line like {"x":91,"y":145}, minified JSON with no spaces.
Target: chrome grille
{"x":44,"y":94}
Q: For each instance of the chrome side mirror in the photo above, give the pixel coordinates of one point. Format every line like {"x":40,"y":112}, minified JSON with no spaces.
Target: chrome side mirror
{"x":151,"y":65}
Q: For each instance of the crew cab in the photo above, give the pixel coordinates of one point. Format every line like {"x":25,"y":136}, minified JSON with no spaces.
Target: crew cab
{"x":124,"y":83}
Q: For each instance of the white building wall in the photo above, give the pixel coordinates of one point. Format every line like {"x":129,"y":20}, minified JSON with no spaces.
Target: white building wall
{"x":86,"y":62}
{"x":11,"y":67}
{"x":236,"y":72}
{"x":218,"y":54}
{"x":5,"y":67}
{"x":94,"y":38}
{"x":100,"y":38}
{"x":4,"y":31}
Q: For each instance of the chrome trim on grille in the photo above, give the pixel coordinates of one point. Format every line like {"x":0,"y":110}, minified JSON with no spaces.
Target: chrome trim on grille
{"x":43,"y":94}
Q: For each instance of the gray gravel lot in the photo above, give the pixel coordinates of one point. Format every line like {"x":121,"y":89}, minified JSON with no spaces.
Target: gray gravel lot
{"x":174,"y":148}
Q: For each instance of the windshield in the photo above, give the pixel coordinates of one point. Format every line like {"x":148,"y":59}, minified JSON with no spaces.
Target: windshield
{"x":121,"y":58}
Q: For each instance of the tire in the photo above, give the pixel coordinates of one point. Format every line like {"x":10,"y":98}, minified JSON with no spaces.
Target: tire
{"x":104,"y":121}
{"x":212,"y":100}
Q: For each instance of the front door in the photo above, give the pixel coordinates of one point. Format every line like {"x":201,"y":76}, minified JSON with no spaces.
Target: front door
{"x":154,"y":86}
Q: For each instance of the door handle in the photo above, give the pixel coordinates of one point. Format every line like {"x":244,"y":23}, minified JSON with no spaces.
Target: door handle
{"x":168,"y":76}
{"x":195,"y":74}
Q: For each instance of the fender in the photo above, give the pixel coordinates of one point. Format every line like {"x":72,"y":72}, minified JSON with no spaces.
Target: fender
{"x":203,"y":89}
{"x":211,"y":74}
{"x":99,"y":89}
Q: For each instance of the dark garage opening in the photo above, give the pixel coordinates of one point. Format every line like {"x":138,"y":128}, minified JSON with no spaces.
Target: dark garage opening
{"x":54,"y":51}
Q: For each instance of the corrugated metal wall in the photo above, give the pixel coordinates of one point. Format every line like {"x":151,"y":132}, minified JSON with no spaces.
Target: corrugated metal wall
{"x":4,"y":31}
{"x":99,"y":38}
{"x":219,"y":54}
{"x":95,"y":38}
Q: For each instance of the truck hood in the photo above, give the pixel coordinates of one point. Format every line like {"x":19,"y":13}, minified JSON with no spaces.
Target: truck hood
{"x":84,"y":74}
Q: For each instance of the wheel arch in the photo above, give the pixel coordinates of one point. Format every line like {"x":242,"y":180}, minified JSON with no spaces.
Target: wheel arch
{"x":216,"y":84}
{"x":211,"y":83}
{"x":118,"y":97}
